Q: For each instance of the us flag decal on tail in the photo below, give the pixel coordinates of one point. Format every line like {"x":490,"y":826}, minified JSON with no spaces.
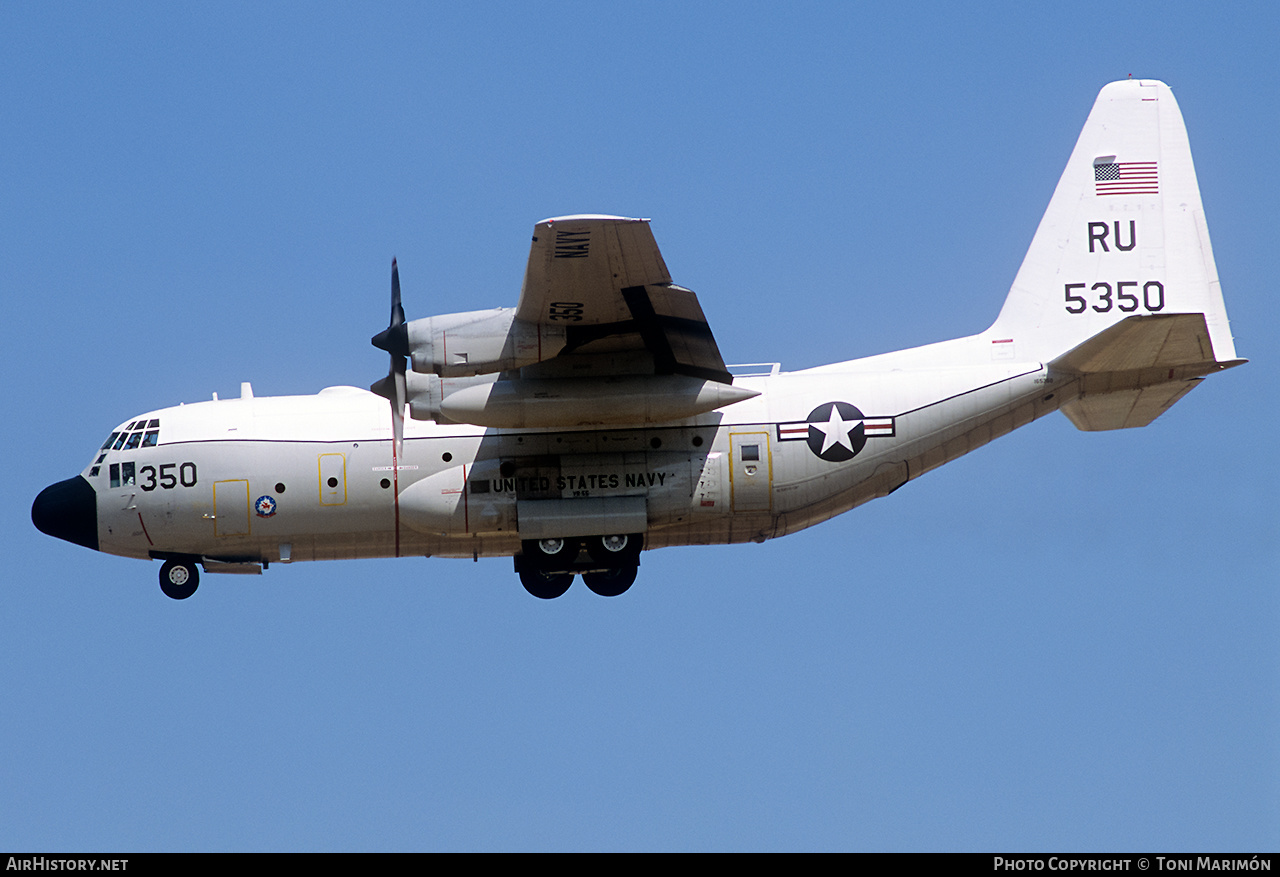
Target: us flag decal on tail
{"x":1126,"y":178}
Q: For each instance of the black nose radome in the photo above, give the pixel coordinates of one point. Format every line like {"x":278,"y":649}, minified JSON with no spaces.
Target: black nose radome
{"x":68,"y":510}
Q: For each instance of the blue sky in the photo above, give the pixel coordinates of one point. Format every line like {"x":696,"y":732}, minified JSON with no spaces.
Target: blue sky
{"x":1061,"y":641}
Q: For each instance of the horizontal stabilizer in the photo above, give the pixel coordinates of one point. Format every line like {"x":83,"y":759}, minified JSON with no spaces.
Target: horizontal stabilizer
{"x":1132,"y":372}
{"x":1141,"y":342}
{"x":1126,"y":409}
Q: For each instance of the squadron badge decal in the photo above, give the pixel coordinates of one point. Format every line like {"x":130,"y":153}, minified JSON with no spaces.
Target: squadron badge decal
{"x":265,"y":506}
{"x":836,"y":431}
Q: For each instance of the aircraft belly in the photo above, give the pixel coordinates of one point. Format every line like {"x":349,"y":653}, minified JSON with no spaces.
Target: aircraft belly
{"x":720,"y":531}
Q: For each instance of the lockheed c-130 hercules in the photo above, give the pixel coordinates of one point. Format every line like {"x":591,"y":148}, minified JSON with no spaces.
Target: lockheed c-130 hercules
{"x":597,"y":417}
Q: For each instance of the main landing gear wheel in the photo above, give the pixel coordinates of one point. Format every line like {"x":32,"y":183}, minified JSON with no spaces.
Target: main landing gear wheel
{"x":545,"y":585}
{"x":611,"y":582}
{"x":179,"y":578}
{"x":551,"y":553}
{"x":619,"y":550}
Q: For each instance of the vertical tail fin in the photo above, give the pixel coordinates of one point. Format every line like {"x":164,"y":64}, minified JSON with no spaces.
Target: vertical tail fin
{"x":1124,"y":235}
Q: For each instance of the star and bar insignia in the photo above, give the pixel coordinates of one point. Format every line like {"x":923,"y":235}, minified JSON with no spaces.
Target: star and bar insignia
{"x":836,"y":431}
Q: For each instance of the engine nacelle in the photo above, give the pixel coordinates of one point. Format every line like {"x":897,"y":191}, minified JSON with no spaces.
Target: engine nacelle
{"x":425,"y":393}
{"x":566,"y":402}
{"x":484,"y":400}
{"x":480,"y":342}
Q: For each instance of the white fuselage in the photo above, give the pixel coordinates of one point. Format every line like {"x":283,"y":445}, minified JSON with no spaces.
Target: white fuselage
{"x":312,"y":477}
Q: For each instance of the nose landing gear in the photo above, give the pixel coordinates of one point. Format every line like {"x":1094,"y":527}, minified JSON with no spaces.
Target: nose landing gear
{"x":179,"y":578}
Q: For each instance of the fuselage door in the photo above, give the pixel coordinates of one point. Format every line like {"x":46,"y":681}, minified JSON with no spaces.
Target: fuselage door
{"x":333,"y":479}
{"x":231,"y":508}
{"x":751,"y":471}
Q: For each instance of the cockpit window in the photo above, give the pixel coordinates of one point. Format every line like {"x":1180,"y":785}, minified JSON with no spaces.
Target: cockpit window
{"x":122,"y":474}
{"x":133,"y":436}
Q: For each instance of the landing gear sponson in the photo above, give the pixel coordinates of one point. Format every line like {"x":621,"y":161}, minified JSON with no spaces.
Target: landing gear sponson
{"x":547,"y":566}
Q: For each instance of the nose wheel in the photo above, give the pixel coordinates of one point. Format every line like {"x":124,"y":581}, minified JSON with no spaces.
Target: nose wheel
{"x":179,"y":578}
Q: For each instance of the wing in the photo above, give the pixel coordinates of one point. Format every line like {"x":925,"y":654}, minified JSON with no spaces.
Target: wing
{"x":603,"y":280}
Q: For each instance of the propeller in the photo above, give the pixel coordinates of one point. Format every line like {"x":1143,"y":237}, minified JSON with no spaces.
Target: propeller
{"x":395,"y":340}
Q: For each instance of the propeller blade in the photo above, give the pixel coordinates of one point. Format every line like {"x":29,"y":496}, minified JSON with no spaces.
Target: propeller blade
{"x":395,"y":340}
{"x":397,"y":312}
{"x":397,"y":406}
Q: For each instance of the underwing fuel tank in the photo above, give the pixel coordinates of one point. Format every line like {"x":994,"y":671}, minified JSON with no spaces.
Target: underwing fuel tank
{"x":589,"y":401}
